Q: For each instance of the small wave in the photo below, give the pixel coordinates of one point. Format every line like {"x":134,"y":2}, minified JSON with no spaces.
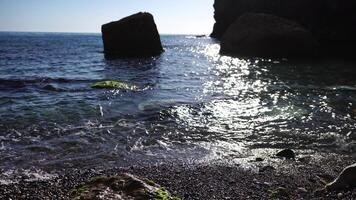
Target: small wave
{"x":159,"y":104}
{"x":11,"y":84}
{"x":14,"y":176}
{"x":52,"y":88}
{"x":21,"y":82}
{"x":48,"y":84}
{"x":342,"y":87}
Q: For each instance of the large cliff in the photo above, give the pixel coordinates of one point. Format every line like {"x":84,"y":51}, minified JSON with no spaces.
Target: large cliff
{"x":332,"y":20}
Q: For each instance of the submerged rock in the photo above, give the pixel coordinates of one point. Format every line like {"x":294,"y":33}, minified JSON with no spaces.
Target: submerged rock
{"x":11,"y":84}
{"x":286,"y":153}
{"x":255,"y":34}
{"x":121,"y":187}
{"x":346,"y":180}
{"x":133,"y":36}
{"x":112,"y":84}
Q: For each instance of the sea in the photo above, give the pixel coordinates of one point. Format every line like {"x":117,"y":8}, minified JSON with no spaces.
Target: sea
{"x":188,"y":105}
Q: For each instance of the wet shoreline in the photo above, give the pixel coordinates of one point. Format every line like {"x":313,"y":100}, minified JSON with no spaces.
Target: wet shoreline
{"x":222,"y":179}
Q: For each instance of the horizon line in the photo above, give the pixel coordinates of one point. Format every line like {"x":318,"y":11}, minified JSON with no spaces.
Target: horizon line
{"x":74,"y":32}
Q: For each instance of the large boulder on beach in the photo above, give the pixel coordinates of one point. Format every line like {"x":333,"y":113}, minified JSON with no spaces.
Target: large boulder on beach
{"x":121,"y":187}
{"x":132,"y":36}
{"x":265,"y":35}
{"x":345,"y":180}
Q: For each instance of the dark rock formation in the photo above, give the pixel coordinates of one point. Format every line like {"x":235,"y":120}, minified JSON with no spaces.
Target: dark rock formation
{"x":133,"y":36}
{"x":286,"y":153}
{"x":267,"y":35}
{"x":346,"y":180}
{"x":326,"y":19}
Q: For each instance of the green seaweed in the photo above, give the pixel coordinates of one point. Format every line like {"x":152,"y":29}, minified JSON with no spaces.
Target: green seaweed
{"x":149,"y":182}
{"x":76,"y":192}
{"x":163,"y":194}
{"x":97,"y":179}
{"x":273,"y":193}
{"x":111,"y":84}
{"x":279,"y":192}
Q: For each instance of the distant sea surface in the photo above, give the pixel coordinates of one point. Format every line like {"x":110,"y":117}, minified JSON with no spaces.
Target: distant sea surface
{"x":189,"y":104}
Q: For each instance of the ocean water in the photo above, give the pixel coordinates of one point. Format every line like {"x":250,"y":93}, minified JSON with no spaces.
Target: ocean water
{"x":189,"y":104}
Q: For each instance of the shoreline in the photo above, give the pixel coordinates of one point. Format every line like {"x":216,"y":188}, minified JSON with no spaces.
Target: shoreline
{"x":271,"y":178}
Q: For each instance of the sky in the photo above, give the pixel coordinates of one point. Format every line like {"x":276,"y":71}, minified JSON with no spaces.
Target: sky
{"x":171,"y":16}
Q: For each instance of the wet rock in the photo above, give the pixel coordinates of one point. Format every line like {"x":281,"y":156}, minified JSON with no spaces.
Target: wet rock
{"x":286,"y":153}
{"x":121,"y":187}
{"x":302,"y":190}
{"x":351,"y":136}
{"x":354,"y":112}
{"x":133,"y":36}
{"x":305,"y":159}
{"x":346,"y":180}
{"x":264,"y":35}
{"x":340,"y":195}
{"x":279,"y":192}
{"x":267,"y":184}
{"x":112,"y":84}
{"x":266,"y":169}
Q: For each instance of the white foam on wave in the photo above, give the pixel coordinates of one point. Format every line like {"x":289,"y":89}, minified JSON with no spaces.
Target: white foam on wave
{"x":28,"y":175}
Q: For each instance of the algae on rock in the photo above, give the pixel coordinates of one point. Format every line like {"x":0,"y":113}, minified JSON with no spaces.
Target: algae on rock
{"x":112,"y":84}
{"x":120,"y":187}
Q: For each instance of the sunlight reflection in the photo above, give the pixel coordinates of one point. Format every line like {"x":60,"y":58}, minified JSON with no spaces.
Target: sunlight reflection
{"x":237,"y":101}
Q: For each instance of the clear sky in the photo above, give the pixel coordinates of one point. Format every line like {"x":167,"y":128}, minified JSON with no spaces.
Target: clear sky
{"x":171,"y":16}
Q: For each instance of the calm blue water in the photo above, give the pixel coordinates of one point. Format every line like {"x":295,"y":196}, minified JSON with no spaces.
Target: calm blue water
{"x":190,"y":103}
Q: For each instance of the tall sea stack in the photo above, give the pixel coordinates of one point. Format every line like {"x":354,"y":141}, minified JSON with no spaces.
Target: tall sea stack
{"x":132,"y":36}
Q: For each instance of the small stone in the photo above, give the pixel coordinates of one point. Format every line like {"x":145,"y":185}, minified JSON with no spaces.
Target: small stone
{"x":286,"y":153}
{"x":340,"y":195}
{"x":267,"y":184}
{"x":351,"y":135}
{"x":266,"y":168}
{"x":282,"y":191}
{"x":305,"y":159}
{"x":279,"y":192}
{"x":302,"y":190}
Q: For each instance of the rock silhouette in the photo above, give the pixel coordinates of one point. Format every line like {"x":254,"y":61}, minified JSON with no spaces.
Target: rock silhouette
{"x":326,"y":19}
{"x":262,"y":35}
{"x":132,"y":36}
{"x":332,"y":22}
{"x":345,"y":180}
